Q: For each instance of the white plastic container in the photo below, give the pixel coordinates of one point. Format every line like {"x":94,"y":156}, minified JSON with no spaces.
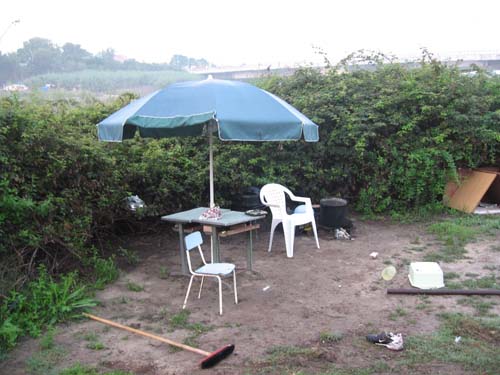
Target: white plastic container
{"x":426,"y":275}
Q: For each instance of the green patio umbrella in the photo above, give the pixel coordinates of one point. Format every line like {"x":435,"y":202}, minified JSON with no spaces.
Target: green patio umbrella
{"x":238,"y":111}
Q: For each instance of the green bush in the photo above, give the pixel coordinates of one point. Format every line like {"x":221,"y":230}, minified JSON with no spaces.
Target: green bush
{"x":391,"y":136}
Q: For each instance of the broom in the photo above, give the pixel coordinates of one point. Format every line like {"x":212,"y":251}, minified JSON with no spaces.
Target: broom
{"x":210,"y":360}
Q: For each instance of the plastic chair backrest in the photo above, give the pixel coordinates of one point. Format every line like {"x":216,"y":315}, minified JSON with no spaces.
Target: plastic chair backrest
{"x":274,"y":194}
{"x":193,"y":240}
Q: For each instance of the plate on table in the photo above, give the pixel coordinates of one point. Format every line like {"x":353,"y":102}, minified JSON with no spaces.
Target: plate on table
{"x":256,"y":212}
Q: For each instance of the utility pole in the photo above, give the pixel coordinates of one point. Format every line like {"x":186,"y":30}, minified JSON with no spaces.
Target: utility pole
{"x":8,"y":28}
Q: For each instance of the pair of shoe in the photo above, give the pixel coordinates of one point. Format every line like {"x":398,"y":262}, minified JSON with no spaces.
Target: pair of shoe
{"x":390,"y":340}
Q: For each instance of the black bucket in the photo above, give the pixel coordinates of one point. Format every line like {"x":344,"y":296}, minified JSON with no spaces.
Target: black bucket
{"x":332,"y":212}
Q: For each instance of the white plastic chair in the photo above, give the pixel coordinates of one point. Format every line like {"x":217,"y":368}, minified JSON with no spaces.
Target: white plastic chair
{"x":273,"y":196}
{"x":208,"y":269}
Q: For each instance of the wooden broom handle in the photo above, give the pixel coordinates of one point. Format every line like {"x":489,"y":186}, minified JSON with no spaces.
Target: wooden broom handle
{"x":149,"y":335}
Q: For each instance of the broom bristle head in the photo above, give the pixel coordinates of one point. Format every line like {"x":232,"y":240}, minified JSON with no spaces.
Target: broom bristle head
{"x":217,"y":356}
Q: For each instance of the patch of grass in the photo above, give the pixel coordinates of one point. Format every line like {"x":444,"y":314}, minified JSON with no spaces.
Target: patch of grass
{"x":181,"y":321}
{"x":448,"y":254}
{"x":388,"y":262}
{"x":133,"y":287}
{"x":451,"y":275}
{"x":481,"y":306}
{"x":424,"y":304}
{"x":93,"y":341}
{"x":329,"y":337}
{"x":44,"y":361}
{"x":485,"y":282}
{"x":457,"y":232}
{"x":418,"y":248}
{"x":398,"y":313}
{"x":79,"y":369}
{"x":471,"y":274}
{"x":478,"y":351}
{"x":490,"y":267}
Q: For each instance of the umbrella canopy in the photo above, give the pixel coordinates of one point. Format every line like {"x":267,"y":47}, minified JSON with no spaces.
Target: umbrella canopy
{"x":237,"y":110}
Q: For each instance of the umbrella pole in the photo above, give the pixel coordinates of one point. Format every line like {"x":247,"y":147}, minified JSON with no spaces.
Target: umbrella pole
{"x":211,"y":159}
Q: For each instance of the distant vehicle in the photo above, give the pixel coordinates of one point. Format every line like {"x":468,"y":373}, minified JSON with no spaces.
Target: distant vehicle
{"x":15,"y":87}
{"x":47,"y":87}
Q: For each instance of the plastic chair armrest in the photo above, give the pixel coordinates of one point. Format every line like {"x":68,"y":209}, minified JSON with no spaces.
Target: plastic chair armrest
{"x":305,"y":200}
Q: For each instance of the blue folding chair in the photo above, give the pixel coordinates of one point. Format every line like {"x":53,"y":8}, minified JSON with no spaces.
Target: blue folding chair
{"x":207,"y":269}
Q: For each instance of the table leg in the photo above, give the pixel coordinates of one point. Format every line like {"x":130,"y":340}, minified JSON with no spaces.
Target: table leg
{"x":215,"y":245}
{"x":184,"y":269}
{"x":250,"y":250}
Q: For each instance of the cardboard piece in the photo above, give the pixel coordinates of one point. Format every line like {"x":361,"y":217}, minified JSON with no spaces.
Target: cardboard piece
{"x":473,"y":187}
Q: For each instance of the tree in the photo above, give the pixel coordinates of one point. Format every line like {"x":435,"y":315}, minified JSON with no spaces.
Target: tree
{"x":179,"y":62}
{"x":8,"y":68}
{"x":74,"y":57}
{"x":39,"y":56}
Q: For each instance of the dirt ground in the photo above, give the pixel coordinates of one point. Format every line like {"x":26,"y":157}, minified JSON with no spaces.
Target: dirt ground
{"x":283,"y":302}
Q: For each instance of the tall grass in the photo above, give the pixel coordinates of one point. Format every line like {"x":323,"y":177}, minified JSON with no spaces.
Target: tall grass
{"x":110,"y":80}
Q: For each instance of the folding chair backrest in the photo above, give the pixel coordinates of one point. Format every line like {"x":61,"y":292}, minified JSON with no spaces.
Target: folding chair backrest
{"x":193,"y":240}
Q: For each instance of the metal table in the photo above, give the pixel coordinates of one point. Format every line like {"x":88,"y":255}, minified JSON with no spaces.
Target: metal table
{"x":229,"y":218}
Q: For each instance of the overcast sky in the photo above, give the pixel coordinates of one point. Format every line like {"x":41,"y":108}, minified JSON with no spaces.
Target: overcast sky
{"x":254,"y":32}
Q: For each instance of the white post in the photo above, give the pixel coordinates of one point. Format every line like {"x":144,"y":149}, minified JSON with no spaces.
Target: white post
{"x":211,"y":158}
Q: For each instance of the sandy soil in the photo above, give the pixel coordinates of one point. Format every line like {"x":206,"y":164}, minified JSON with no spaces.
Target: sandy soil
{"x":282,"y":302}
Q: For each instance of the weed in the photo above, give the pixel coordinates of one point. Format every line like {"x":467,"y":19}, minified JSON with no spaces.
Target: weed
{"x":47,"y":340}
{"x":95,"y":345}
{"x":90,"y":336}
{"x":164,"y":273}
{"x":105,"y":271}
{"x":180,"y":320}
{"x":133,"y":287}
{"x":191,"y":340}
{"x":330,"y":338}
{"x":43,"y":302}
{"x":130,"y":256}
{"x":415,"y":241}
